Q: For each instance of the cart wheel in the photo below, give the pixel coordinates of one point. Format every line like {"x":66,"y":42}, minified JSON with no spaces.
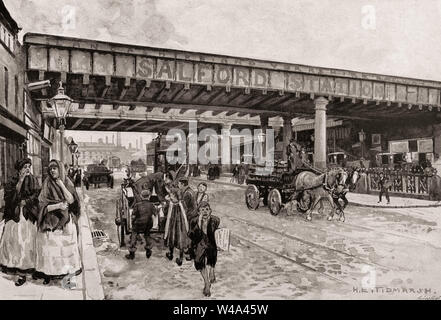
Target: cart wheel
{"x":274,"y":202}
{"x":252,"y":197}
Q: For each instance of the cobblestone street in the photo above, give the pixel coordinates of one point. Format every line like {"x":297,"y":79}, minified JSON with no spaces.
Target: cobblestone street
{"x":376,"y":253}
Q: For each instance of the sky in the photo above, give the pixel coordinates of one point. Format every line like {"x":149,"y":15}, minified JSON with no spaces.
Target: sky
{"x":395,"y":37}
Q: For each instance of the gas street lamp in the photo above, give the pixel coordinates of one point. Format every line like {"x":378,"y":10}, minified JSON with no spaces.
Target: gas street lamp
{"x":61,"y":104}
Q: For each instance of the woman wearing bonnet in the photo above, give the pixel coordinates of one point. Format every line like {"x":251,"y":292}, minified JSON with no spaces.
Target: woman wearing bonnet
{"x":57,"y":237}
{"x":17,"y":245}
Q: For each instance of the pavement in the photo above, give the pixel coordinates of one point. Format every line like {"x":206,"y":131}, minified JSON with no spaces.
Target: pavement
{"x":87,"y":284}
{"x":355,"y":199}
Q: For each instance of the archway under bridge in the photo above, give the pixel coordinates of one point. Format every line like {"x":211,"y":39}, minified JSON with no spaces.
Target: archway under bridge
{"x":120,"y":80}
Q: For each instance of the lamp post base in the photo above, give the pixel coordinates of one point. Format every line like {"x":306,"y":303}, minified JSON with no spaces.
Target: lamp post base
{"x":61,"y":128}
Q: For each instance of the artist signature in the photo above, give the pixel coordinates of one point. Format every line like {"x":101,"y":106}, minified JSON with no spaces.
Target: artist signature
{"x":425,"y":297}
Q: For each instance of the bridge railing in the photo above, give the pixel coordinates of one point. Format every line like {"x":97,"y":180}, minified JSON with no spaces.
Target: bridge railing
{"x":401,"y":181}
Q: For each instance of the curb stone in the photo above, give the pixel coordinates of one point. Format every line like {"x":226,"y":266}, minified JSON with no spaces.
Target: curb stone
{"x":92,"y":277}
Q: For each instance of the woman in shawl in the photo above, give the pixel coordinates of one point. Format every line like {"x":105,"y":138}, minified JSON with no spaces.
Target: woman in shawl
{"x":57,"y":237}
{"x":17,"y":244}
{"x":176,"y":227}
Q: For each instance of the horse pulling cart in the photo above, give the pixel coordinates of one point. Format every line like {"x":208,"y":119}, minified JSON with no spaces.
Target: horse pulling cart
{"x":274,"y":189}
{"x":130,"y":194}
{"x":306,"y":186}
{"x":124,"y":209}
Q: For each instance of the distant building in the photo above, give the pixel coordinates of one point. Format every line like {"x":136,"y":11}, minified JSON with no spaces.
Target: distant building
{"x":95,"y":152}
{"x":13,"y":130}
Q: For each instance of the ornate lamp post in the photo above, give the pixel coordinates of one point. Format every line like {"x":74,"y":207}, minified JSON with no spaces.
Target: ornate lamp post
{"x":61,"y":104}
{"x":73,"y":147}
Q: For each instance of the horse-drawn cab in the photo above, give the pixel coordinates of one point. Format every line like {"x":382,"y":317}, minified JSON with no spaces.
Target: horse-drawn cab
{"x":97,"y":174}
{"x":337,"y":159}
{"x":130,"y":194}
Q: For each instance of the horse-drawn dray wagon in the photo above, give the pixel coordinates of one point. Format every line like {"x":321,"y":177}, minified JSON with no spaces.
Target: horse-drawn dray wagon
{"x":297,"y":182}
{"x":274,"y":189}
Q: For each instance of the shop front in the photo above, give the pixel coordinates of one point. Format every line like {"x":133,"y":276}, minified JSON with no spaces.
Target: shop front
{"x":12,"y":148}
{"x":418,"y":153}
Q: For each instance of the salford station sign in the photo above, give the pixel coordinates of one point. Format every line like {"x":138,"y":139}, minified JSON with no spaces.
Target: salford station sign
{"x":100,"y":58}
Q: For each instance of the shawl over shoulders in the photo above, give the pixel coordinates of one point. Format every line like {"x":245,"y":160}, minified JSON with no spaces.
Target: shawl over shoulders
{"x":51,"y":193}
{"x":29,"y":192}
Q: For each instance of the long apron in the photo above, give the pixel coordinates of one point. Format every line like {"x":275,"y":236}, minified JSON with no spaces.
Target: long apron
{"x":17,"y":244}
{"x":58,"y":251}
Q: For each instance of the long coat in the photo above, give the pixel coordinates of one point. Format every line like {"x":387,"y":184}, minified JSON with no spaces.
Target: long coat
{"x":189,"y":199}
{"x":176,"y":227}
{"x":204,"y":244}
{"x":142,"y":216}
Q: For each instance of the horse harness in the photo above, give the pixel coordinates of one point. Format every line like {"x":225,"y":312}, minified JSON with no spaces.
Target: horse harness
{"x":334,"y":187}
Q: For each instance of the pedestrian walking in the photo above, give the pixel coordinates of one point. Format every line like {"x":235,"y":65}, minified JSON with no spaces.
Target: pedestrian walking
{"x":17,"y":244}
{"x":196,"y":171}
{"x":78,"y":177}
{"x":142,"y":223}
{"x":190,"y":206}
{"x":176,"y":227}
{"x":201,"y":194}
{"x":384,"y":185}
{"x":241,"y":174}
{"x":57,"y":250}
{"x":340,"y":193}
{"x":202,"y":234}
{"x":188,"y":197}
{"x":235,"y":177}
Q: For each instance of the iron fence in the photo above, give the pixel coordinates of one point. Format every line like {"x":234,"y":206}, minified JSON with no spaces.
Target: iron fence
{"x":401,"y":182}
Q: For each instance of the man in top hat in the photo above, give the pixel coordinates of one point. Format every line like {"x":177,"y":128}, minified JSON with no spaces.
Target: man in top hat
{"x":142,"y":223}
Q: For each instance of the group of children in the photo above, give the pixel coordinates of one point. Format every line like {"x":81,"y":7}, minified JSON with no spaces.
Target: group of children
{"x":189,"y":226}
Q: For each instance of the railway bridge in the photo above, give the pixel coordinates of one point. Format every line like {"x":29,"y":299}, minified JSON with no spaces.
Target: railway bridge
{"x":120,"y":87}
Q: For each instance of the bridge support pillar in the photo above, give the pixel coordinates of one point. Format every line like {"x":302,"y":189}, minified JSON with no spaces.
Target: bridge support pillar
{"x":287,"y":134}
{"x":262,"y":138}
{"x":320,"y":133}
{"x":226,"y":148}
